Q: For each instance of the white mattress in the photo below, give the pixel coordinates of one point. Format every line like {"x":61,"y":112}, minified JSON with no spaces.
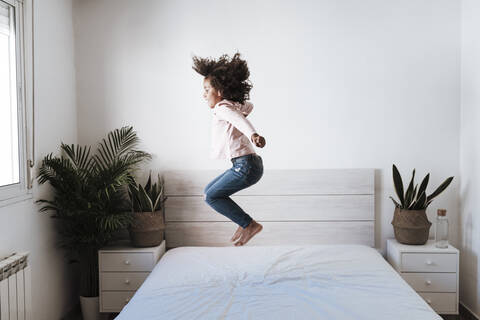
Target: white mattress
{"x":275,"y":282}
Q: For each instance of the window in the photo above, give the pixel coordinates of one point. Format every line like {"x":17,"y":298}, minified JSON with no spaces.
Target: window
{"x":9,"y":166}
{"x":13,"y":111}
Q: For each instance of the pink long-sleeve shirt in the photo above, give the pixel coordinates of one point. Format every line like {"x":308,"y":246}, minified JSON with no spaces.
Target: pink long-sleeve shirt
{"x":231,"y":131}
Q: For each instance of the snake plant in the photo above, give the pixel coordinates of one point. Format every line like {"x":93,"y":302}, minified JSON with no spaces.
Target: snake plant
{"x":415,"y":198}
{"x":148,"y":198}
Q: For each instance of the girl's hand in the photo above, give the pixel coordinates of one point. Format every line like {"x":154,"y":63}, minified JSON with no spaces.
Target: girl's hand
{"x":258,"y":140}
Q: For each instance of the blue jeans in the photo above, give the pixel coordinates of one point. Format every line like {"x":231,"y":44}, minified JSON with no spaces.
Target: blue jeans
{"x":245,"y":171}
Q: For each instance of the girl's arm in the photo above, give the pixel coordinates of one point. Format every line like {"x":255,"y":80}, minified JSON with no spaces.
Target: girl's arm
{"x":236,"y":118}
{"x":239,"y":121}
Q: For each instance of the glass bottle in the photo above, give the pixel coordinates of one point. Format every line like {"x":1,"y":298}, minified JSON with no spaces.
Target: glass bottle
{"x":441,"y":229}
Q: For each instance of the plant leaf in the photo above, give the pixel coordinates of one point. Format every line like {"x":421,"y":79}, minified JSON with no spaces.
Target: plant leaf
{"x":149,"y":183}
{"x":395,"y":202}
{"x":145,"y":199}
{"x":420,"y":203}
{"x":409,"y":193}
{"x":440,"y":189}
{"x":398,"y":183}
{"x":423,"y":185}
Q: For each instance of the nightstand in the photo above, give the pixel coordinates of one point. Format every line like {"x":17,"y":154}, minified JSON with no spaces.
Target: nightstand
{"x":123,"y":269}
{"x":432,"y":272}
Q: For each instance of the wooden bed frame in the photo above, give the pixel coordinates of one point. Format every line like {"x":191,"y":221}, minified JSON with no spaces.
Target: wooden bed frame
{"x":295,"y":207}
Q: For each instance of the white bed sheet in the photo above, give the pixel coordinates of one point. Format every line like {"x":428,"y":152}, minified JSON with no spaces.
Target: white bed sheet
{"x":275,"y":282}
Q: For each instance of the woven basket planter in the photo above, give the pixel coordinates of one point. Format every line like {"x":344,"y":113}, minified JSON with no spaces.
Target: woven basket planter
{"x":411,"y":226}
{"x":147,"y":229}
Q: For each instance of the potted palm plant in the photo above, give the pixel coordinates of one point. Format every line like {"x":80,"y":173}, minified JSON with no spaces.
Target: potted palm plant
{"x":410,"y":222}
{"x":148,"y":225}
{"x":89,"y":201}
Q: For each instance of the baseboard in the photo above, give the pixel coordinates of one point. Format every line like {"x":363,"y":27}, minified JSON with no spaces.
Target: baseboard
{"x":466,"y":313}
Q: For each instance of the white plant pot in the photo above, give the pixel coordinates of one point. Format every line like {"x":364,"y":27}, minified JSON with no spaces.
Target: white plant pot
{"x":90,"y":308}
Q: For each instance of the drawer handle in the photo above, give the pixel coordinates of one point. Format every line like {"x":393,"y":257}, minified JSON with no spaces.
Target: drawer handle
{"x":429,"y":262}
{"x":127,"y":281}
{"x":127,"y":262}
{"x":428,"y":282}
{"x":429,"y":301}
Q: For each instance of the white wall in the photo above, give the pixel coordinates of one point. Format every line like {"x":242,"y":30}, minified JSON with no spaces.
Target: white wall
{"x":470,"y":156}
{"x":22,"y":228}
{"x":337,"y":84}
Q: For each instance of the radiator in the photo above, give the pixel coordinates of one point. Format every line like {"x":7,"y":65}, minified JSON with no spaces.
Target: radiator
{"x":15,"y":288}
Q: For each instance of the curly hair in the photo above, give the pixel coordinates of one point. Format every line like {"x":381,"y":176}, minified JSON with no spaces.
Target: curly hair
{"x":227,"y":75}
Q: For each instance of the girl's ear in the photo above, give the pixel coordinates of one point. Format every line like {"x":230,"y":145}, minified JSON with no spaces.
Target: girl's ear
{"x":219,"y":94}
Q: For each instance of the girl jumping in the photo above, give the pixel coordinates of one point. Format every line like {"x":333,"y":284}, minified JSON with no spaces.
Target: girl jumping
{"x":227,"y":88}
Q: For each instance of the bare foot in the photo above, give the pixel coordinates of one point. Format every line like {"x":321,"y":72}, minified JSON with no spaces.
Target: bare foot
{"x":237,"y":234}
{"x":252,"y":229}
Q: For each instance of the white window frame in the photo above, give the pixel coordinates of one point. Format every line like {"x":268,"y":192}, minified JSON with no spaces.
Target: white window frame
{"x":24,"y":67}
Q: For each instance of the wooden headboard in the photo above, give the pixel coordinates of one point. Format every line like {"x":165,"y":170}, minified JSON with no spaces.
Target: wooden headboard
{"x":295,"y":207}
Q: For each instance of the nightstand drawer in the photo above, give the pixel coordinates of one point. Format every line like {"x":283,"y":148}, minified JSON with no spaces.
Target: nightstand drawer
{"x":115,"y":300}
{"x":432,"y":282}
{"x":122,"y":281}
{"x":429,"y":262}
{"x":441,"y":302}
{"x":123,"y":261}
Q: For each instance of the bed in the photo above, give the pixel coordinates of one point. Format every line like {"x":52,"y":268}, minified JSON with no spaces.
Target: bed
{"x":314,"y":259}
